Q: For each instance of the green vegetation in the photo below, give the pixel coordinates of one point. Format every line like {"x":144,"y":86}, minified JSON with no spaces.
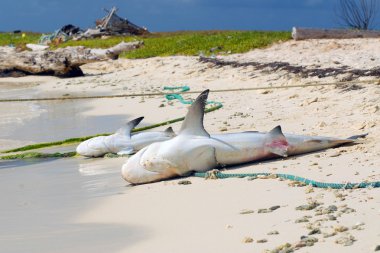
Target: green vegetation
{"x":18,"y":39}
{"x":191,"y":43}
{"x":174,"y":43}
{"x":50,"y":144}
{"x":36,"y":155}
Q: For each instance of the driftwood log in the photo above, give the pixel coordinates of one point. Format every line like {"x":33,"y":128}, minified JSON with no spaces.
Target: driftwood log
{"x":62,"y":62}
{"x":308,"y":33}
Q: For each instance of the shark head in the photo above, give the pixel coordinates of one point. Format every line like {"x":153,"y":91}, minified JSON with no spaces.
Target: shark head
{"x":93,"y":147}
{"x":101,"y":145}
{"x":192,"y":149}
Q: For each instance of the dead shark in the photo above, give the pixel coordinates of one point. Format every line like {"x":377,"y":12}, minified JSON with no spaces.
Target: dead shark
{"x":193,"y":149}
{"x":122,"y":141}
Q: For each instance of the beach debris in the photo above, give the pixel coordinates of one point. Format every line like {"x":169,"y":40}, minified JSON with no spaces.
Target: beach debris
{"x":306,"y":241}
{"x":184,"y":182}
{"x":273,"y":208}
{"x":331,"y":234}
{"x":376,"y":248}
{"x":301,"y":33}
{"x":346,"y":240}
{"x":268,"y":210}
{"x":358,"y":226}
{"x":340,"y":229}
{"x":63,"y":34}
{"x":296,"y":184}
{"x":314,"y":231}
{"x":294,"y":69}
{"x":285,"y":248}
{"x":248,"y":240}
{"x":246,"y":211}
{"x":111,"y":25}
{"x":330,"y":209}
{"x":312,"y":205}
{"x":309,"y":189}
{"x":37,"y":47}
{"x":262,"y":241}
{"x":303,"y":219}
{"x":62,"y":62}
{"x":274,"y":232}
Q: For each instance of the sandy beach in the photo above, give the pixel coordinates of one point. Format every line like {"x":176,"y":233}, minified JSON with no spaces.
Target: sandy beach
{"x":83,"y":205}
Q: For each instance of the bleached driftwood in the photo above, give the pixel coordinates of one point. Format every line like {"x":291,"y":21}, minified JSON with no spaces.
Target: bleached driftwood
{"x":63,"y":62}
{"x":308,"y":33}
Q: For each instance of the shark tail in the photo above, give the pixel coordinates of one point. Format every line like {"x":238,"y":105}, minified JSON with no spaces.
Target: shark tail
{"x":355,"y":137}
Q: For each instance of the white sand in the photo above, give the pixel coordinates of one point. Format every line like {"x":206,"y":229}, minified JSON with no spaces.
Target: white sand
{"x":205,"y":216}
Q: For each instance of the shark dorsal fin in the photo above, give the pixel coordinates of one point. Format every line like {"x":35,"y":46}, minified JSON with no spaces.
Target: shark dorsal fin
{"x":276,"y":142}
{"x":126,"y":130}
{"x":169,"y":131}
{"x":193,"y":123}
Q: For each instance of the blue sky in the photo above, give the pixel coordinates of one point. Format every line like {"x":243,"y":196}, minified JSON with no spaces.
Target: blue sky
{"x":170,"y":15}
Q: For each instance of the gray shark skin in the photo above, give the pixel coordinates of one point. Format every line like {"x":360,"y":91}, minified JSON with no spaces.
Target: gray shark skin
{"x":193,"y":149}
{"x":122,"y":142}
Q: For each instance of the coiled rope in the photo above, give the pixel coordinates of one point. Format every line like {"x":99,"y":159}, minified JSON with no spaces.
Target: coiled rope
{"x":215,"y":174}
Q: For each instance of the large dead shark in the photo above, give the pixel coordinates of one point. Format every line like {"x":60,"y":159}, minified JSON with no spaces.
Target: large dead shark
{"x":122,"y":142}
{"x":193,"y":149}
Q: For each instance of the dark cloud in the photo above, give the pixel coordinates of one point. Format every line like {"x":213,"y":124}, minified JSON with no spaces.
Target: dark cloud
{"x":169,"y":15}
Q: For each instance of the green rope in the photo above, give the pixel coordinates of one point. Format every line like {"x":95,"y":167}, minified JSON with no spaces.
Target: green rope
{"x":218,"y":175}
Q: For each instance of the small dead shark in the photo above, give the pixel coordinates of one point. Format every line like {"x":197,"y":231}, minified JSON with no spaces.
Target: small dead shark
{"x":193,"y":149}
{"x":122,"y":142}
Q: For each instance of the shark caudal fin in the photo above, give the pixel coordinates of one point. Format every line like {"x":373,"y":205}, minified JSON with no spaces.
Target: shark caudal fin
{"x":355,"y":137}
{"x":276,"y":142}
{"x":169,"y":131}
{"x":193,"y":123}
{"x":350,"y":140}
{"x":126,"y":130}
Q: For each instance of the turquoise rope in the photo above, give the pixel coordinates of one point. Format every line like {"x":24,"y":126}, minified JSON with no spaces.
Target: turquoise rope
{"x":306,"y":181}
{"x":173,"y":96}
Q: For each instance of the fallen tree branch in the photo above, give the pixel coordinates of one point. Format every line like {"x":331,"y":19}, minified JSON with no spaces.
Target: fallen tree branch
{"x":62,"y":62}
{"x":308,"y":33}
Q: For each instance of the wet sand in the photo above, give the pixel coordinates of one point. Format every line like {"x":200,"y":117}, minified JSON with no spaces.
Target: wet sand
{"x":41,"y":199}
{"x":83,"y":205}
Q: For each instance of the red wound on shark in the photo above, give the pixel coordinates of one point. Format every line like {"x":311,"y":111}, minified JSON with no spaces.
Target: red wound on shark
{"x":276,"y":142}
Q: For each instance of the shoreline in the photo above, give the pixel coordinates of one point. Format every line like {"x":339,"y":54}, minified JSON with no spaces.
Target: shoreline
{"x":206,"y":215}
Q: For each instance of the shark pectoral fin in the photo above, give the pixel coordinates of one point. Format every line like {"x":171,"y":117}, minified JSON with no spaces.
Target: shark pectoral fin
{"x":127,"y":151}
{"x":126,"y":130}
{"x":276,"y":142}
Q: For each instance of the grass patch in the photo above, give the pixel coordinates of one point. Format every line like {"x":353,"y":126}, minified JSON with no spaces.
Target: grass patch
{"x":190,"y":43}
{"x":17,"y":39}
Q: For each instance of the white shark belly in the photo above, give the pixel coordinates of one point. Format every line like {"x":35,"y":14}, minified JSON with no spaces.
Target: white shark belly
{"x":248,"y":147}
